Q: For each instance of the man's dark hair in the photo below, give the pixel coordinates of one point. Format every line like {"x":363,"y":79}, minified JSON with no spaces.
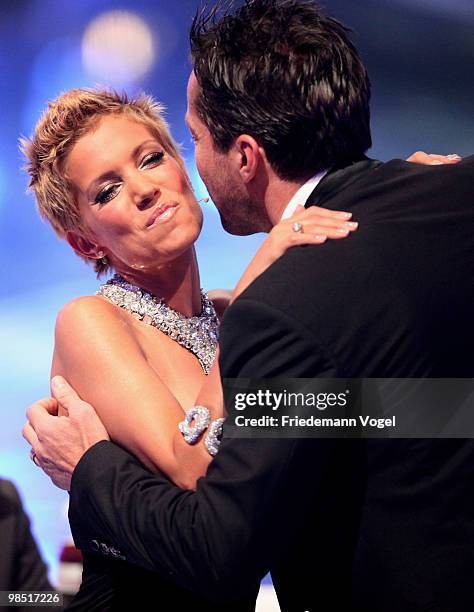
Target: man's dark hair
{"x":288,"y":75}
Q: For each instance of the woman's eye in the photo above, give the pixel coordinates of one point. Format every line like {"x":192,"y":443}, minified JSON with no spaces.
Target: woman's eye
{"x":106,"y":194}
{"x":152,"y":159}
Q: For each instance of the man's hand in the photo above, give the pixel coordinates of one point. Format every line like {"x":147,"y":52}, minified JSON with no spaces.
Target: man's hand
{"x":60,"y":441}
{"x":432,"y":159}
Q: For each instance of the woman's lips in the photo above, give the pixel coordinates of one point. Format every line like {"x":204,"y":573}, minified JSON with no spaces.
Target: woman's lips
{"x":162,"y":213}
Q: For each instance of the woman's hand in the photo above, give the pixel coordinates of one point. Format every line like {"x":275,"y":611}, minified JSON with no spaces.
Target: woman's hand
{"x":432,"y":159}
{"x":316,"y":226}
{"x":305,"y":227}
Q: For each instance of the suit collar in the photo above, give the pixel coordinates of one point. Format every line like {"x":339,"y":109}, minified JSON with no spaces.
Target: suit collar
{"x":339,"y":178}
{"x":303,"y":193}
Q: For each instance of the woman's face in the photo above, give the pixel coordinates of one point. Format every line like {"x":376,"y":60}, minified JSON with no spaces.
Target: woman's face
{"x":135,"y":201}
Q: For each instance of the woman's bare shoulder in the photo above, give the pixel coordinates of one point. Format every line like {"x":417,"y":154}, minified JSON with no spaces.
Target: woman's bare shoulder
{"x":90,"y":317}
{"x":86,"y":303}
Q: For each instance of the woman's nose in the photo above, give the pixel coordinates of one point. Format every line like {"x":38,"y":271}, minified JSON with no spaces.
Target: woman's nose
{"x":144,"y":190}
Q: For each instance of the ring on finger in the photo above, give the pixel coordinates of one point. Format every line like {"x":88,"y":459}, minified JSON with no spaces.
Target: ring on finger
{"x":297,"y":227}
{"x":34,"y":458}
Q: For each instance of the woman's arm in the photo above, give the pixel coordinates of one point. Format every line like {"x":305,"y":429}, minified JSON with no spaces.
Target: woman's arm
{"x":99,"y":355}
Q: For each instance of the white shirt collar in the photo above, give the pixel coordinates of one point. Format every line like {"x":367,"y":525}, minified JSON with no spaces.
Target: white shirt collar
{"x":302,"y":194}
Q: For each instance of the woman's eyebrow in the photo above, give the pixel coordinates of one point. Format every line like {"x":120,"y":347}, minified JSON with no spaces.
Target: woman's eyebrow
{"x":110,"y":173}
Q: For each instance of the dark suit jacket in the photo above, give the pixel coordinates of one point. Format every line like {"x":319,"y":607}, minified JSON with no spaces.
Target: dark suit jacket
{"x":21,"y":565}
{"x":375,"y":526}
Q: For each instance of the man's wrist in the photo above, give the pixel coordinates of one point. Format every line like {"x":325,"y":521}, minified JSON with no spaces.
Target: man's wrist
{"x":87,"y":457}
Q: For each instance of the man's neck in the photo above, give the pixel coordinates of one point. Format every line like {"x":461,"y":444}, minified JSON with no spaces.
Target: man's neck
{"x":282,"y":195}
{"x":277,"y":196}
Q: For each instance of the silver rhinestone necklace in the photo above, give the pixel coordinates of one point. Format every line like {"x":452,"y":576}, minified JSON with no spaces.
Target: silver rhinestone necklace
{"x":197,"y":334}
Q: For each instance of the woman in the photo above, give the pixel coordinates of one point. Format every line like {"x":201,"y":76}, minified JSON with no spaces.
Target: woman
{"x":108,"y":177}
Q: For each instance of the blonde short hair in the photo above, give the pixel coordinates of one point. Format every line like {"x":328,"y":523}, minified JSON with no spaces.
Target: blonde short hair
{"x":66,"y":119}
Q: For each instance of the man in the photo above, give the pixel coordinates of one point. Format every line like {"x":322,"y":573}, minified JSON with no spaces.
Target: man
{"x":21,"y":565}
{"x":278,"y":107}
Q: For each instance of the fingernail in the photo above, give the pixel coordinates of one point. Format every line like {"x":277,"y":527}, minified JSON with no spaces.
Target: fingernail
{"x":352,"y":225}
{"x":453,"y":156}
{"x":344,"y":215}
{"x":343,"y":232}
{"x":320,"y":237}
{"x":436,"y":162}
{"x":57,"y":383}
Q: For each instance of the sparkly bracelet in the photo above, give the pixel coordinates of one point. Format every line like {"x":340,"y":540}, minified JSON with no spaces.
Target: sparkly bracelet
{"x":202,"y":418}
{"x":213,"y":437}
{"x":201,"y":415}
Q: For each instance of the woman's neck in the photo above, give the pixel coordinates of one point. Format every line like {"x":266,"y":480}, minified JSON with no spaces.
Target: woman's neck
{"x":177,"y":282}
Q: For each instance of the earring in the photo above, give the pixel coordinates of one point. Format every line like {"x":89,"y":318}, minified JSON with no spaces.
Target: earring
{"x":102,"y":257}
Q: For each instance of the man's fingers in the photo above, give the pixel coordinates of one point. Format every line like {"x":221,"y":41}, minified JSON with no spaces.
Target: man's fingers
{"x":30,"y":435}
{"x":63,"y":392}
{"x":51,"y":405}
{"x":44,"y":407}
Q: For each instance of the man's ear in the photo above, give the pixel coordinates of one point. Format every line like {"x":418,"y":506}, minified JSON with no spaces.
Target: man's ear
{"x":83,"y":246}
{"x":250,"y":156}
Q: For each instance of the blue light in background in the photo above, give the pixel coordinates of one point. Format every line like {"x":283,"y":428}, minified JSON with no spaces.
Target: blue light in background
{"x":56,"y":68}
{"x":118,"y":47}
{"x":27,"y":335}
{"x":3,"y":183}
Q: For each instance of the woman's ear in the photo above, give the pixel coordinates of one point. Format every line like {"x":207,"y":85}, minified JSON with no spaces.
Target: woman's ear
{"x":84,"y":246}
